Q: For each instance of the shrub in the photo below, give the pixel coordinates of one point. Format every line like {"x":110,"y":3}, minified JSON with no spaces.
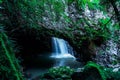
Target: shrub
{"x":61,"y":72}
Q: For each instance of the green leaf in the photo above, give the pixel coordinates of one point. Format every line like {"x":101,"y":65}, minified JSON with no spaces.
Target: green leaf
{"x":96,"y":1}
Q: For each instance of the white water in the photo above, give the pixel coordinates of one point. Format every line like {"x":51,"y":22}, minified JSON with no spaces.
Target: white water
{"x":62,"y":55}
{"x":61,"y":49}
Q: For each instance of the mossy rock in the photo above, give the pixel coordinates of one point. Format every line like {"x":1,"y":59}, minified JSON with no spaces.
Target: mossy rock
{"x":93,"y":71}
{"x":59,"y":73}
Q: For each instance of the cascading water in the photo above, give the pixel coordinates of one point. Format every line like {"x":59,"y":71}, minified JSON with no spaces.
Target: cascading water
{"x":62,"y":55}
{"x":61,"y":48}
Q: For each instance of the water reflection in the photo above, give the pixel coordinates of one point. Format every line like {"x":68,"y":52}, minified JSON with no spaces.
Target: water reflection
{"x":43,"y":63}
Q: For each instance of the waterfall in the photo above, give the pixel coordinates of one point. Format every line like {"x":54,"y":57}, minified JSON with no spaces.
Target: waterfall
{"x":61,"y":48}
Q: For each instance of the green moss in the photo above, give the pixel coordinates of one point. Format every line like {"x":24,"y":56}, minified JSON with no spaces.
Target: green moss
{"x":91,"y":71}
{"x":112,"y":74}
{"x":62,"y":72}
{"x":104,"y":73}
{"x":92,"y":65}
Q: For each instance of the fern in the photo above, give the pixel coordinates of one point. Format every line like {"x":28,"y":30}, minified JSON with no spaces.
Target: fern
{"x":10,"y":55}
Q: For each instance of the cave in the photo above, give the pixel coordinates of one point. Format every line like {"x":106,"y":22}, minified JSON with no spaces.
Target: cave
{"x":31,"y":47}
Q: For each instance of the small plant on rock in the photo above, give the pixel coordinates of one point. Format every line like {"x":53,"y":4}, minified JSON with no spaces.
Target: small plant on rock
{"x":61,"y":72}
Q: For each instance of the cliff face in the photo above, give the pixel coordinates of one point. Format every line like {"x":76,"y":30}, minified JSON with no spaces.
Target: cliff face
{"x":91,"y":27}
{"x":84,"y":24}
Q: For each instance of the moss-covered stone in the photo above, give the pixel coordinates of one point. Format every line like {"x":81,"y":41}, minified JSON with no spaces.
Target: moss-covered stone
{"x":60,"y":73}
{"x":93,"y":71}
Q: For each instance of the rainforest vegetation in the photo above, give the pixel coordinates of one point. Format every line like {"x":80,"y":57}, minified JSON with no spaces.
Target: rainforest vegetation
{"x":91,"y":27}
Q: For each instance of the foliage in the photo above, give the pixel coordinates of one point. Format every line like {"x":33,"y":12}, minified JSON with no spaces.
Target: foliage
{"x":9,"y":68}
{"x":23,"y":14}
{"x":111,"y":74}
{"x":44,"y":17}
{"x":93,"y":4}
{"x":91,"y":71}
{"x":62,"y":72}
{"x":100,"y":69}
{"x":105,"y":73}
